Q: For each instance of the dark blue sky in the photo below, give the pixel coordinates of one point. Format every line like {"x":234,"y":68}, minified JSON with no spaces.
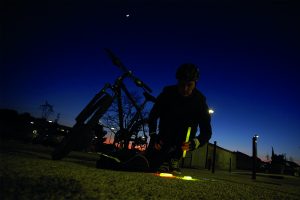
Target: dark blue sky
{"x":248,"y":55}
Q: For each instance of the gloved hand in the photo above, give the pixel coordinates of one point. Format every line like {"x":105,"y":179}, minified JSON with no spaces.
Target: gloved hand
{"x":155,"y":142}
{"x":192,"y":145}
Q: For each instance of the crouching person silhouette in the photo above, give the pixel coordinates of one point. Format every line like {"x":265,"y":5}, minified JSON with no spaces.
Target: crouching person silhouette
{"x":178,"y":107}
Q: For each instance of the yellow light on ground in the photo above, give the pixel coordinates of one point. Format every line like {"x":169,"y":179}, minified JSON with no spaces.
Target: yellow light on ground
{"x":187,"y":140}
{"x":167,"y":175}
{"x":187,"y":178}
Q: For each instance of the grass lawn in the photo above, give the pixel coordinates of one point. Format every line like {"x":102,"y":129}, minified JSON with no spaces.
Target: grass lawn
{"x":27,"y":172}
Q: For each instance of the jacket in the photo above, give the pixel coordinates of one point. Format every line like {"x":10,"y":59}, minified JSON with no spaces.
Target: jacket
{"x":176,"y":113}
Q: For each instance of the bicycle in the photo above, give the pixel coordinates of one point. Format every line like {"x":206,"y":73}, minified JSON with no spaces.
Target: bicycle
{"x":87,"y":122}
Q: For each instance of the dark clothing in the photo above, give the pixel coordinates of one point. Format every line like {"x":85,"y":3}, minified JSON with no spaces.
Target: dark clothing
{"x":157,"y":157}
{"x":176,"y":113}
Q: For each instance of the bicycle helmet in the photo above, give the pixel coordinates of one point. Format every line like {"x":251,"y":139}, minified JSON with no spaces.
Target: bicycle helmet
{"x":187,"y":72}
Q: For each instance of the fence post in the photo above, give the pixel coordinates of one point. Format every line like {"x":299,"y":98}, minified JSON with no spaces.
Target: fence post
{"x":229,"y":165}
{"x":254,"y":155}
{"x":206,"y":167}
{"x":214,"y":157}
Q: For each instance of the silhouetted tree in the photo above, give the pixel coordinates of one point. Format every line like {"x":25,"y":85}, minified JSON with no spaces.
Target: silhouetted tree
{"x":8,"y":123}
{"x":14,"y":125}
{"x":111,"y":118}
{"x":47,"y":110}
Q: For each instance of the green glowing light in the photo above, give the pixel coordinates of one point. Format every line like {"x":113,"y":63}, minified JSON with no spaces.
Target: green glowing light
{"x":187,"y":178}
{"x":167,"y":175}
{"x":186,"y":140}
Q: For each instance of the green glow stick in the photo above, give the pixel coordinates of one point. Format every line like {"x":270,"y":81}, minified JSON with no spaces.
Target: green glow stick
{"x":168,"y":175}
{"x":187,"y":140}
{"x":187,"y":178}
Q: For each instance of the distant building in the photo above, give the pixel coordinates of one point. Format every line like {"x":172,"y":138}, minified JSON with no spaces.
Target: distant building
{"x":245,"y":162}
{"x":30,"y":129}
{"x":280,"y":165}
{"x":202,"y":158}
{"x":225,"y":159}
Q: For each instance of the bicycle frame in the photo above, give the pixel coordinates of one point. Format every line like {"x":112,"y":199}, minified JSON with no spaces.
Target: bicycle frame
{"x":89,"y":117}
{"x":125,"y":133}
{"x":87,"y":121}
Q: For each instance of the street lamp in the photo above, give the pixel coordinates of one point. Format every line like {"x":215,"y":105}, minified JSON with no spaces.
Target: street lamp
{"x":254,"y":155}
{"x":211,"y":111}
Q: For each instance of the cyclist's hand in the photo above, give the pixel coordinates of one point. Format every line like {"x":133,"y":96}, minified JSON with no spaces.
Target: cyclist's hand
{"x":158,"y":145}
{"x":190,"y":146}
{"x":186,"y":146}
{"x":155,"y":142}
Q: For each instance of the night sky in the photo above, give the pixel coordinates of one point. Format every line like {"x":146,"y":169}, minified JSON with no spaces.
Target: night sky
{"x":248,"y":55}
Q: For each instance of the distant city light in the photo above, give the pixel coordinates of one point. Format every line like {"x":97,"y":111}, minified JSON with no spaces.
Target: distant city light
{"x":34,"y":133}
{"x":31,"y":122}
{"x":112,"y":128}
{"x":50,"y":121}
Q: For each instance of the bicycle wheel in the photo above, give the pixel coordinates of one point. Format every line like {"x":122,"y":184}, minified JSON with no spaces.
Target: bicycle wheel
{"x":140,"y":130}
{"x":81,"y":134}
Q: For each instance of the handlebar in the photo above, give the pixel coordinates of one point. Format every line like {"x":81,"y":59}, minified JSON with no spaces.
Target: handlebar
{"x":117,"y":62}
{"x":140,"y":83}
